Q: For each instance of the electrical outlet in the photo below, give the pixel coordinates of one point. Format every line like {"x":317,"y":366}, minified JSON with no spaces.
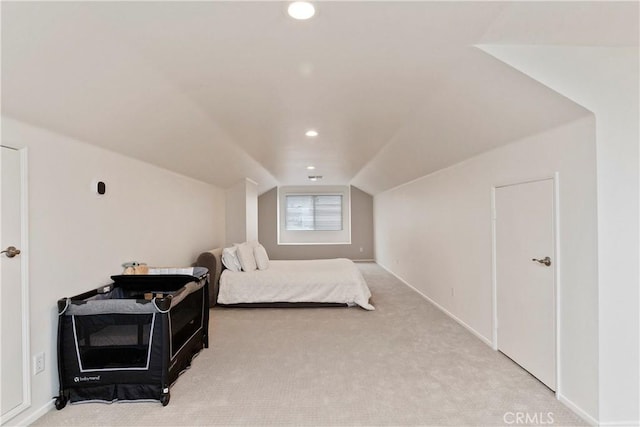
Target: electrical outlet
{"x":361,"y":249}
{"x":38,"y":363}
{"x":452,"y":292}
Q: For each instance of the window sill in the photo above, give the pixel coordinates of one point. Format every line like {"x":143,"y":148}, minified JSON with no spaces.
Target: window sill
{"x":313,"y":244}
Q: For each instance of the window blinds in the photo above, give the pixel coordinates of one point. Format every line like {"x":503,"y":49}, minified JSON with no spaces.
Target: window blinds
{"x":320,"y":212}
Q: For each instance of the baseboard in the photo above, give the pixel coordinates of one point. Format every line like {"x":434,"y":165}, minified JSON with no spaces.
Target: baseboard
{"x":363,"y":260}
{"x":33,"y":416}
{"x":579,"y":411}
{"x":441,"y":308}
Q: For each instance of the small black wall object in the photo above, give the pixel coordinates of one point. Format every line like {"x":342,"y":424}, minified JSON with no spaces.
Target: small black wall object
{"x":102,"y":187}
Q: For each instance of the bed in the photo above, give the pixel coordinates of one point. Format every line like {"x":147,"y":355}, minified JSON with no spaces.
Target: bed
{"x":287,"y":283}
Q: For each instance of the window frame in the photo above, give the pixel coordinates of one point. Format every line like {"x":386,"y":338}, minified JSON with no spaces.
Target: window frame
{"x":313,"y":196}
{"x":314,"y":237}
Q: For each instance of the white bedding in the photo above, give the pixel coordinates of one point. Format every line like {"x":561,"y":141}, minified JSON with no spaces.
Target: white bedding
{"x":322,"y":280}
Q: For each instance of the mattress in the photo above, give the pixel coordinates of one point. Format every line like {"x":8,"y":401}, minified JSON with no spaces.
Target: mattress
{"x":324,"y":280}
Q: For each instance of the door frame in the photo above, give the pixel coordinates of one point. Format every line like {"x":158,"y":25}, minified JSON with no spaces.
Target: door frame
{"x":24,"y":255}
{"x":555,"y":178}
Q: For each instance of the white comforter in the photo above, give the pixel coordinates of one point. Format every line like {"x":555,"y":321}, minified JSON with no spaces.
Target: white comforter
{"x":322,"y":280}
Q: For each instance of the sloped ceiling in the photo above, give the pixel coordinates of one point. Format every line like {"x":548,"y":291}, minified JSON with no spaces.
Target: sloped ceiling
{"x":225,"y":90}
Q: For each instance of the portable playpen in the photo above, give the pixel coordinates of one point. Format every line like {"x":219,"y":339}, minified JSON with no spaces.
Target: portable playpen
{"x":130,"y":340}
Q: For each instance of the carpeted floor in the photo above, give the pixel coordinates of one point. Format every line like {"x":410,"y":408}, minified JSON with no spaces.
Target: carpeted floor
{"x":404,"y":364}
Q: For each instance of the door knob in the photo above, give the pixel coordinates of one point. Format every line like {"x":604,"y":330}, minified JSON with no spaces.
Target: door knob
{"x":11,"y":251}
{"x":546,"y":261}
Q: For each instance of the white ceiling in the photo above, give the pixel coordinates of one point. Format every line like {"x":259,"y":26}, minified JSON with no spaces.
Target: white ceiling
{"x":225,"y":90}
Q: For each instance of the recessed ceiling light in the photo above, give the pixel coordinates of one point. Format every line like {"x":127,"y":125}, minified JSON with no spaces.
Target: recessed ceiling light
{"x":311,"y":133}
{"x":301,"y":10}
{"x":311,"y":168}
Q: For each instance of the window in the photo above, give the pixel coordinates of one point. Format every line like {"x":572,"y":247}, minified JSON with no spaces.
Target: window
{"x":314,"y":215}
{"x":314,"y":212}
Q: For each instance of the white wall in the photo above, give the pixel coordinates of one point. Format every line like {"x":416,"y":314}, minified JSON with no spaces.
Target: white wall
{"x":435,"y":233}
{"x":605,"y":80}
{"x":251,"y":203}
{"x":77,"y":239}
{"x":242,"y":212}
{"x":236,"y":214}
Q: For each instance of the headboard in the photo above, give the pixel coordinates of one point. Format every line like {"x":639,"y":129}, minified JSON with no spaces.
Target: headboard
{"x":213,"y":261}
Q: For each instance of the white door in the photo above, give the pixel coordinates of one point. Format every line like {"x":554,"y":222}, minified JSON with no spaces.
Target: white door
{"x":525,"y":279}
{"x":14,"y":375}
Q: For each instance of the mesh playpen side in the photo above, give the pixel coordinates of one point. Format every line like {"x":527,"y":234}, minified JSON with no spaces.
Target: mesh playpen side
{"x":131,"y":340}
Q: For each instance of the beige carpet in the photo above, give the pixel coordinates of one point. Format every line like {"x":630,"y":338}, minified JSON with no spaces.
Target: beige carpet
{"x":404,"y":364}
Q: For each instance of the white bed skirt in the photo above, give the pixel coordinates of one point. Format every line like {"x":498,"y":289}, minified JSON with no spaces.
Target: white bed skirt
{"x":322,"y":280}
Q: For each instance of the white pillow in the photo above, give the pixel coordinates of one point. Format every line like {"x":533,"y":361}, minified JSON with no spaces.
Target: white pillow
{"x":262,"y":259}
{"x":230,"y":259}
{"x":245,"y":255}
